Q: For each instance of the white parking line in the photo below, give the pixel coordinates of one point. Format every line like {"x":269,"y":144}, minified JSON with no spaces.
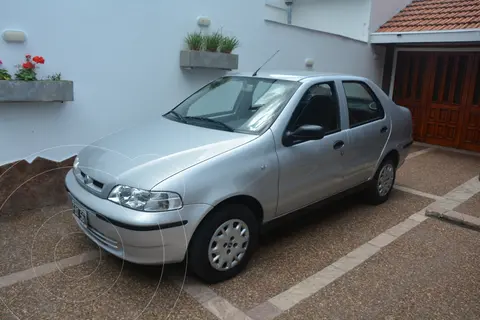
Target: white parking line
{"x":217,"y":305}
{"x":418,"y":193}
{"x":306,"y":288}
{"x":418,"y":153}
{"x":47,"y":268}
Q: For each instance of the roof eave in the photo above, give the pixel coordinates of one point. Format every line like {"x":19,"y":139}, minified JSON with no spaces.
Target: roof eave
{"x":434,"y":36}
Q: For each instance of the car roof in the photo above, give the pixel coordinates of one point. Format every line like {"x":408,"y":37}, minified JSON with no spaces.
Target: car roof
{"x":297,"y":75}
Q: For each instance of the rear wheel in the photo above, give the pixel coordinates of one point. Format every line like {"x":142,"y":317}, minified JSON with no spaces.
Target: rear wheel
{"x":382,"y":184}
{"x":223,"y":243}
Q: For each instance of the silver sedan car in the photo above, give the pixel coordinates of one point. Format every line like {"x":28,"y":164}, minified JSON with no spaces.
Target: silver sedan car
{"x":200,"y":182}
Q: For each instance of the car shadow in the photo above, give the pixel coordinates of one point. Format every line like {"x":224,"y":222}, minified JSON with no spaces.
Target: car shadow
{"x":313,"y":215}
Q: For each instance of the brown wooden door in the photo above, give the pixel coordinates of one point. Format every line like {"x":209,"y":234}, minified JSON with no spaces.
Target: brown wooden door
{"x":449,"y":89}
{"x":470,"y":139}
{"x":411,"y":82}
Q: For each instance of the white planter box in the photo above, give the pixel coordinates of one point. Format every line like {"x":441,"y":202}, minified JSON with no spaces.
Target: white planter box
{"x":36,"y":91}
{"x":208,"y":60}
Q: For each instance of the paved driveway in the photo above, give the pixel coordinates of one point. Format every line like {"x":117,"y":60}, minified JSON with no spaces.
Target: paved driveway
{"x":344,"y":261}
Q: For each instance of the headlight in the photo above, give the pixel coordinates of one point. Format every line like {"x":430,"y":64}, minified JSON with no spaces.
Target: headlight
{"x":143,"y":200}
{"x":75,"y":166}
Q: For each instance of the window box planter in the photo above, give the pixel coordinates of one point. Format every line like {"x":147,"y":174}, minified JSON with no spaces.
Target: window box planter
{"x":36,"y":91}
{"x":191,"y":59}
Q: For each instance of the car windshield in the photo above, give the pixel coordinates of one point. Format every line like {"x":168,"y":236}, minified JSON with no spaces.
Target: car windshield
{"x":234,"y":103}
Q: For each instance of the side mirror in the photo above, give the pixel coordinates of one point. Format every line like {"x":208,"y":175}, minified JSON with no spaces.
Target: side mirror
{"x":306,"y":132}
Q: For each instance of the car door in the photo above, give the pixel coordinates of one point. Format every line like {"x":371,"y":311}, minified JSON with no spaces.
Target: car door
{"x":312,"y":170}
{"x":369,"y":129}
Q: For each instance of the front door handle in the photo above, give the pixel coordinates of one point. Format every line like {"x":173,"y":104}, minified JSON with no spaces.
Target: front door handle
{"x":338,"y":145}
{"x":384,"y":129}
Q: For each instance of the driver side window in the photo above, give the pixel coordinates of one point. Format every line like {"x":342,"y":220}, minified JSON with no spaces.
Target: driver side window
{"x":318,"y":106}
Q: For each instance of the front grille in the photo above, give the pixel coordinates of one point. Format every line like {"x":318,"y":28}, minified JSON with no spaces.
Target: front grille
{"x":102,"y":238}
{"x":88,"y":182}
{"x":96,"y":183}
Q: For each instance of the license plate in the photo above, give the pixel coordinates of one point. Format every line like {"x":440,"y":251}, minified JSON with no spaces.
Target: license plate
{"x":80,"y":212}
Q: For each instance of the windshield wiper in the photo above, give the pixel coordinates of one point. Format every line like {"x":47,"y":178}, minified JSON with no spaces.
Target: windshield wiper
{"x":178,"y":116}
{"x":225,"y":126}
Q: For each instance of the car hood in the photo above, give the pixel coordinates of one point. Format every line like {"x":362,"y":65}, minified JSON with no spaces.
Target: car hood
{"x":143,"y":156}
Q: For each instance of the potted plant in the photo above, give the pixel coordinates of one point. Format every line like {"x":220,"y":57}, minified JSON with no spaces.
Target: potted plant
{"x":213,"y":41}
{"x":4,"y":75}
{"x":211,"y":51}
{"x":55,"y":77}
{"x":194,"y":41}
{"x":26,"y":87}
{"x":27,"y":71}
{"x":228,"y":44}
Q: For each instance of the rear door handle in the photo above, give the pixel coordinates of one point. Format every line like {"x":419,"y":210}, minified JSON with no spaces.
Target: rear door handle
{"x":339,"y":144}
{"x":384,"y":129}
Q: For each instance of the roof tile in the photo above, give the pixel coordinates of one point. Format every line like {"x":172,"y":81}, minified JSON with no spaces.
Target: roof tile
{"x":430,"y":15}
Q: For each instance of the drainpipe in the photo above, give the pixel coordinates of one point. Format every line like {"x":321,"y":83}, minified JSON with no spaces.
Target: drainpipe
{"x":289,"y":4}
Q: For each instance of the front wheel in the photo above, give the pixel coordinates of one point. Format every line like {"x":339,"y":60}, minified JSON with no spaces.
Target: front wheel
{"x":223,"y":243}
{"x":382,"y":183}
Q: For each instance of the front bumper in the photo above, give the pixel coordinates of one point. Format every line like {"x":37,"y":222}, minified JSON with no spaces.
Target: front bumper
{"x":139,"y":237}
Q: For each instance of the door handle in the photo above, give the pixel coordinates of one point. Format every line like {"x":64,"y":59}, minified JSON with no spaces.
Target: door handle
{"x":338,"y":145}
{"x":384,"y":129}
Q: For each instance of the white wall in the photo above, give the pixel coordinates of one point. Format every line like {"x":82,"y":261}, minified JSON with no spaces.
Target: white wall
{"x":348,"y":18}
{"x":123,"y":56}
{"x":383,"y":10}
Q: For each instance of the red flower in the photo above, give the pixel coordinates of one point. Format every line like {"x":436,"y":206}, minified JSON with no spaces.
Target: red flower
{"x":38,"y":59}
{"x":28,"y":56}
{"x":28,"y":65}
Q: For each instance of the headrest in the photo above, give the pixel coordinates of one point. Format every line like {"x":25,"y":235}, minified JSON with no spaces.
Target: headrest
{"x":320,"y":100}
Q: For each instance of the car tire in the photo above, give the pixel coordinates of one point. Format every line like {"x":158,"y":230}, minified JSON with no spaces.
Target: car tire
{"x":218,"y":239}
{"x":382,"y":183}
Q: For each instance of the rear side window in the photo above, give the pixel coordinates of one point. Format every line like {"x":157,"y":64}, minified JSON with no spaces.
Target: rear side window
{"x":363,"y":105}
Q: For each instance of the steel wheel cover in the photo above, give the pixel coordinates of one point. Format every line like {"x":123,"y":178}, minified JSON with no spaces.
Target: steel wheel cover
{"x":228,"y":244}
{"x":385,"y":179}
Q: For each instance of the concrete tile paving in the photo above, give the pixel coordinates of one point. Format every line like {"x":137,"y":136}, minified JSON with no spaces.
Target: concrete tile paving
{"x":471,"y":206}
{"x":438,"y":171}
{"x":40,"y":236}
{"x":106,"y":289}
{"x":310,"y":243}
{"x":429,"y":273}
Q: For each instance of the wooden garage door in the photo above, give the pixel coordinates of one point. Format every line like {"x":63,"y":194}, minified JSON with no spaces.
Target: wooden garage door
{"x":410,"y":84}
{"x":443,"y":121}
{"x":441,"y":89}
{"x":470,"y":139}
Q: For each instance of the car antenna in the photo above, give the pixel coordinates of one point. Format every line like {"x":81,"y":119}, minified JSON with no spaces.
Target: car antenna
{"x":255,"y":73}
